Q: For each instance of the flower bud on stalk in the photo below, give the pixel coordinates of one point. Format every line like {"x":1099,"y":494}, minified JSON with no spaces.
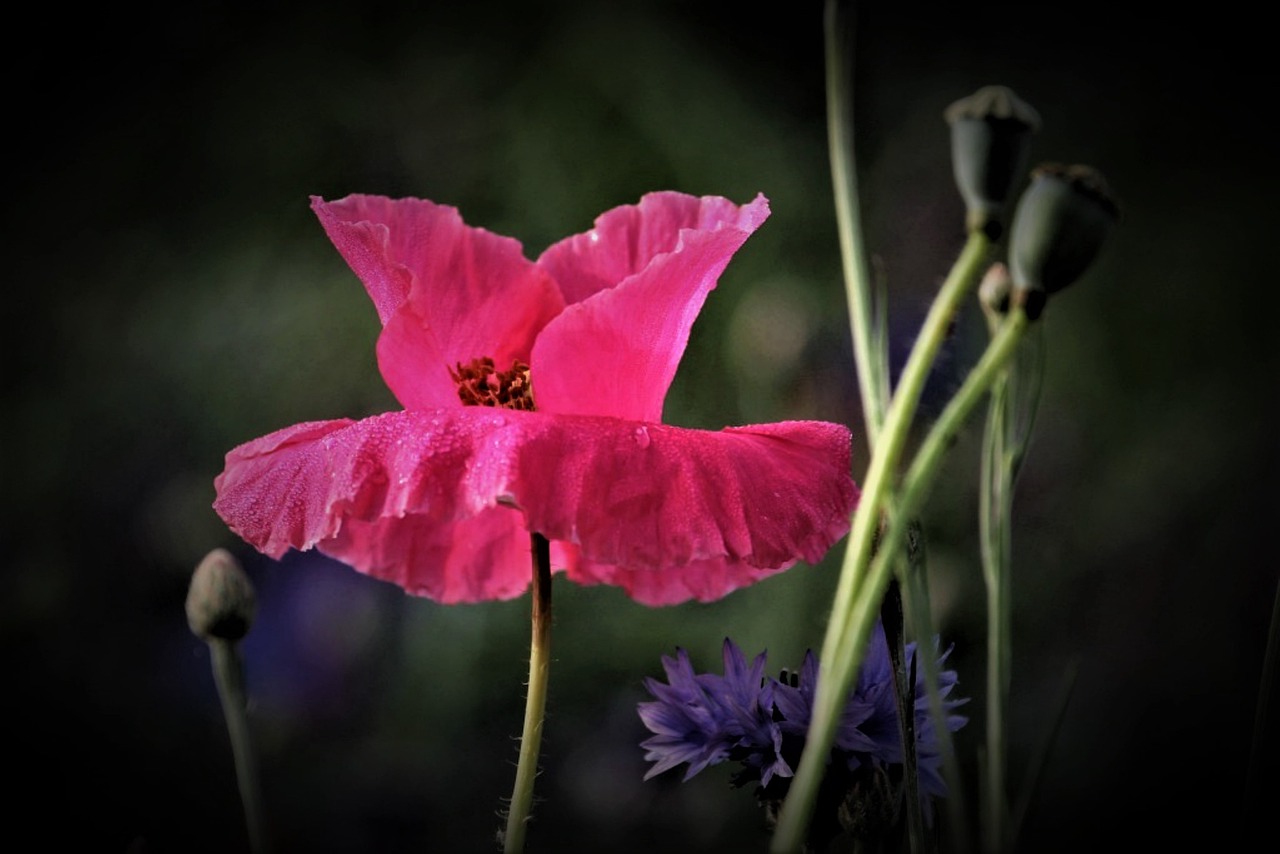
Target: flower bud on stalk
{"x":990,"y":142}
{"x":994,"y":293}
{"x":220,"y":609}
{"x":220,"y":601}
{"x":1059,"y":227}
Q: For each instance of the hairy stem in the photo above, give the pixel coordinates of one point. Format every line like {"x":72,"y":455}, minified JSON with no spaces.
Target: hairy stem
{"x":535,"y":698}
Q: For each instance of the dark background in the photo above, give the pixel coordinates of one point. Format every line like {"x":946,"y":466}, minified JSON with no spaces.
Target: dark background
{"x":171,"y":295}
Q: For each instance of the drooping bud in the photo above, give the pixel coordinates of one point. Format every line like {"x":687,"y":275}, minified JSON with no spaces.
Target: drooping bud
{"x":220,"y":601}
{"x":990,"y":142}
{"x":993,"y":293}
{"x":1059,"y":227}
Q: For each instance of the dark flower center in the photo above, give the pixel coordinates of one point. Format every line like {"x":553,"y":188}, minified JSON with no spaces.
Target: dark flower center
{"x":481,"y":384}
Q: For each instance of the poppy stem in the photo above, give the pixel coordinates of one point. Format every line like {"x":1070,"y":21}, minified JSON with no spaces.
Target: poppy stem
{"x":989,"y":371}
{"x":904,"y":696}
{"x":848,"y":628}
{"x":995,"y":508}
{"x":228,"y":672}
{"x":916,"y":599}
{"x":535,"y":698}
{"x":863,"y":585}
{"x":866,"y":318}
{"x":1010,"y":414}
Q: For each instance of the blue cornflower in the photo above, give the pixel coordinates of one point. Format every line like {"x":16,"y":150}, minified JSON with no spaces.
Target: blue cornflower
{"x":703,"y":719}
{"x":868,"y":730}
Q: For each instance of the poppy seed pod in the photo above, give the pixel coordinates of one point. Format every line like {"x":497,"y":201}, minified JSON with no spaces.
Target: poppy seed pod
{"x":220,"y":601}
{"x":990,"y":142}
{"x":1059,"y":227}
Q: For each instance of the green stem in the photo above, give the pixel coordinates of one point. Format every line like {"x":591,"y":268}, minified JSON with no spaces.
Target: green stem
{"x":916,"y":597}
{"x":921,"y":474}
{"x":994,"y":513}
{"x":904,"y":697}
{"x":868,"y":345}
{"x":535,"y":699}
{"x":842,"y":649}
{"x":228,"y":672}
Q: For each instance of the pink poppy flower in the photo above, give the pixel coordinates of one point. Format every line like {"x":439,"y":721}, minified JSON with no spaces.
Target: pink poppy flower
{"x":569,"y":359}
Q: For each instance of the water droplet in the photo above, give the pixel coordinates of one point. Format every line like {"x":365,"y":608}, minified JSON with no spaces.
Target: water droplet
{"x":642,"y":436}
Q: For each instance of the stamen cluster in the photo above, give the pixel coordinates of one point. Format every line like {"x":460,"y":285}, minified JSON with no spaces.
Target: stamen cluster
{"x":481,"y":384}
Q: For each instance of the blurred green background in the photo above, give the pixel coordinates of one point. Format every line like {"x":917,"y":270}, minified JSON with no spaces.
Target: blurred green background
{"x":171,"y":296}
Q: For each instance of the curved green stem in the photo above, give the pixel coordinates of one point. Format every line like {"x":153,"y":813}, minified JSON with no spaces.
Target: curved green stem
{"x":228,"y":673}
{"x":842,"y":650}
{"x":996,"y":504}
{"x":916,"y":597}
{"x":868,"y":335}
{"x":904,"y":698}
{"x":535,"y":698}
{"x":920,"y":476}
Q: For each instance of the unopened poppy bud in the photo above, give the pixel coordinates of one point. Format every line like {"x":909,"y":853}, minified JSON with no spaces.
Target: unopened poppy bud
{"x":1059,"y":227}
{"x":994,"y":291}
{"x":220,"y":601}
{"x":990,"y":141}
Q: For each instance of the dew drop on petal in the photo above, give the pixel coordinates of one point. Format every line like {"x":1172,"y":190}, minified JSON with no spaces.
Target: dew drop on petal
{"x":642,"y":436}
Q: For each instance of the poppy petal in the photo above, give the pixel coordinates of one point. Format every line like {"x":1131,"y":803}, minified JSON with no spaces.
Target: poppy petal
{"x":635,"y":284}
{"x":480,"y":558}
{"x":425,"y":499}
{"x":624,"y":240}
{"x":702,"y":580}
{"x":672,"y":514}
{"x":446,"y":292}
{"x":358,"y":226}
{"x":411,"y":498}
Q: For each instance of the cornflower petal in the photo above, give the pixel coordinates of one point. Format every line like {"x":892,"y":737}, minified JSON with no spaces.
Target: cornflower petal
{"x":701,"y":718}
{"x":685,"y":719}
{"x":795,"y":704}
{"x":705,"y":718}
{"x":928,"y":748}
